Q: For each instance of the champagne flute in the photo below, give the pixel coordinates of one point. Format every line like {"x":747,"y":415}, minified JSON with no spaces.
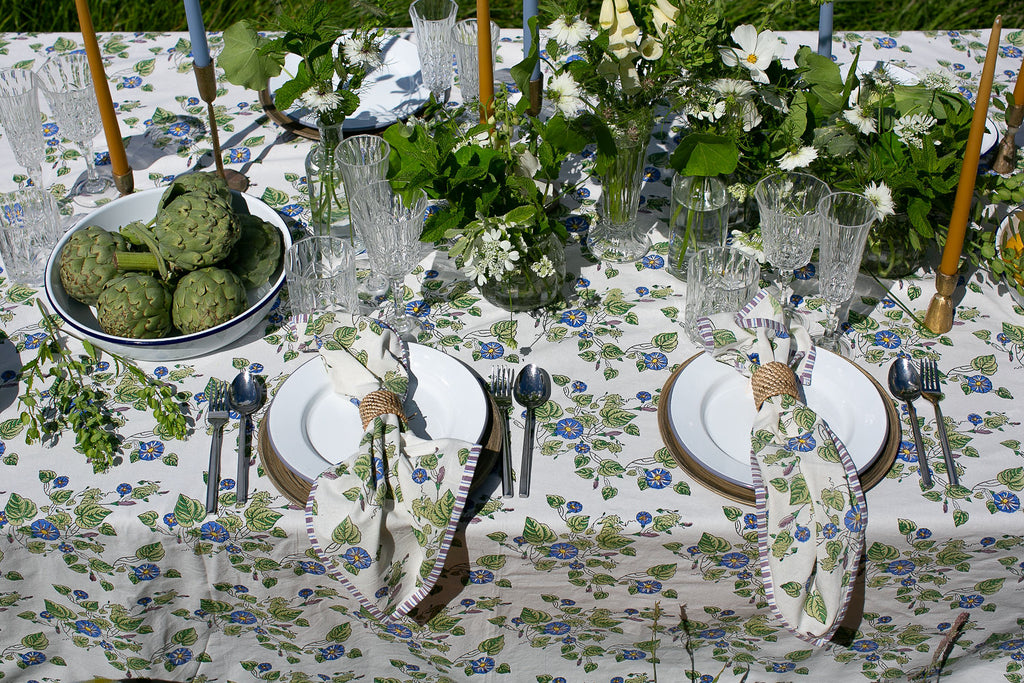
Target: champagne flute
{"x":432,"y":22}
{"x":392,"y":225}
{"x":67,"y":85}
{"x":21,"y":120}
{"x":844,"y":219}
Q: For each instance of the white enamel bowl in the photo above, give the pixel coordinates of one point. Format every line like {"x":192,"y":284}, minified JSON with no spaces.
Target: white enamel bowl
{"x":142,"y":206}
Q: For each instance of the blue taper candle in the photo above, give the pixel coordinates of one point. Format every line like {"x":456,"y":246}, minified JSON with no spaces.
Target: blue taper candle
{"x":825,"y":30}
{"x":197,"y":33}
{"x":529,"y":10}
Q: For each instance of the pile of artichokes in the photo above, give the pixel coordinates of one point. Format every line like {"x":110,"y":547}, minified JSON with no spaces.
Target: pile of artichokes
{"x":186,"y":270}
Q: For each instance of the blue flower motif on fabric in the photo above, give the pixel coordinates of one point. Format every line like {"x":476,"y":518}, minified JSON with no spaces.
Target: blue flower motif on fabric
{"x":648,"y":586}
{"x":557,"y":628}
{"x":643,"y":396}
{"x":578,"y":387}
{"x":658,"y":478}
{"x":582,"y":283}
{"x":887,"y":339}
{"x":576,"y":224}
{"x":214,"y":531}
{"x":750,"y":521}
{"x":239,"y":155}
{"x":481,"y":576}
{"x":88,"y":628}
{"x":971,"y":601}
{"x":419,"y":475}
{"x":574,"y":318}
{"x":60,"y":482}
{"x":574,"y":506}
{"x":655,"y":361}
{"x":830,"y":530}
{"x":802,"y":533}
{"x":644,"y":518}
{"x":634,"y":655}
{"x":802,"y":444}
{"x":782,"y":667}
{"x":131,"y":82}
{"x":492,"y":350}
{"x":49,"y":129}
{"x":242,"y":617}
{"x":805,"y":272}
{"x":642,"y":291}
{"x":418,"y":308}
{"x":170,"y":520}
{"x":582,"y":448}
{"x":923,"y":533}
{"x":399,"y":631}
{"x":907,"y":452}
{"x":979,"y":384}
{"x":854,"y":519}
{"x":332,"y":652}
{"x":292,"y":210}
{"x":734,"y":560}
{"x":146,"y":572}
{"x":180,"y":129}
{"x":900,"y":567}
{"x":482,"y":665}
{"x":34,"y":341}
{"x":652,"y":262}
{"x":1006,"y":501}
{"x":563,"y":551}
{"x":32,"y":658}
{"x":885,"y":42}
{"x":150,"y":450}
{"x":357,"y":557}
{"x":44,"y":529}
{"x":864,"y":646}
{"x":569,"y":428}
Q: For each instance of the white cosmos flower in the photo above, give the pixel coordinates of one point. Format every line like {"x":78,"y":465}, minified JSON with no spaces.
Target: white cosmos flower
{"x":861,"y":121}
{"x":756,"y":51}
{"x":569,"y":34}
{"x":798,"y":159}
{"x":564,"y":93}
{"x":320,"y":101}
{"x":881,"y":196}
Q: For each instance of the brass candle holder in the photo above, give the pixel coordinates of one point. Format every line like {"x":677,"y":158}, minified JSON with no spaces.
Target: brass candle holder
{"x":939,"y":316}
{"x":1006,"y":154}
{"x":206,"y":80}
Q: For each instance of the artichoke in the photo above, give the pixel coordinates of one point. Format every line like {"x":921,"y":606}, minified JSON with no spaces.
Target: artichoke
{"x":257,"y":253}
{"x":135,"y":305}
{"x":207,"y":297}
{"x":87,"y":262}
{"x":207,"y":184}
{"x":195,"y":231}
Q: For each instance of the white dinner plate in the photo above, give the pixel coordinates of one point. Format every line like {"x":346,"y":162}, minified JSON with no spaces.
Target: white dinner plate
{"x":310,"y":427}
{"x":904,"y":77}
{"x":391,"y":93}
{"x":711,"y":411}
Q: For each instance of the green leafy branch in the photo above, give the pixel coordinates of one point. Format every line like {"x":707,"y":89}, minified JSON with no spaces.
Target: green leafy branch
{"x":70,"y":398}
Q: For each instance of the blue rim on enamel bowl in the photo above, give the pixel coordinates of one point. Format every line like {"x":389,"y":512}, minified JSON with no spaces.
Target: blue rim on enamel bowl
{"x":142,"y":206}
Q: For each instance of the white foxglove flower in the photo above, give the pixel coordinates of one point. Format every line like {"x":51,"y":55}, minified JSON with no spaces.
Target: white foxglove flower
{"x":650,"y":49}
{"x":881,"y":196}
{"x":798,"y":159}
{"x":625,"y":25}
{"x":320,"y":101}
{"x":861,"y":121}
{"x":756,"y":51}
{"x":528,"y":164}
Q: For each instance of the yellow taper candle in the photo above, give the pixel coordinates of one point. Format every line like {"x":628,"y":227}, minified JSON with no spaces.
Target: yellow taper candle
{"x":118,"y":160}
{"x":969,"y":171}
{"x":483,"y":56}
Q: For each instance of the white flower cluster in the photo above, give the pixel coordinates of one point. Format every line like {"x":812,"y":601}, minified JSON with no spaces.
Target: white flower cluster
{"x":912,"y":128}
{"x":493,"y":255}
{"x":881,"y":196}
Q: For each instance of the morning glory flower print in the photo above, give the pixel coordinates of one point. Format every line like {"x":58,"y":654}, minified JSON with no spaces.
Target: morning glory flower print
{"x":578,"y":387}
{"x":750,"y":521}
{"x":582,"y":283}
{"x":481,"y":576}
{"x":643,"y":396}
{"x":582,"y":448}
{"x":804,"y":272}
{"x":242,"y":617}
{"x":292,"y":210}
{"x":80,"y":595}
{"x":974,"y":419}
{"x":150,"y":450}
{"x":418,"y":308}
{"x":482,"y":665}
{"x":574,"y":318}
{"x":900,"y":567}
{"x":146,"y":572}
{"x":648,"y":586}
{"x":987,"y":541}
{"x":33,"y":657}
{"x":854,"y":519}
{"x":783,"y":667}
{"x":634,"y":654}
{"x":569,"y":428}
{"x":802,"y":533}
{"x":86,"y":627}
{"x":907,"y":452}
{"x":642,"y":291}
{"x":557,"y":628}
{"x":214,"y":531}
{"x":1006,"y":501}
{"x":644,"y":518}
{"x":979,"y":384}
{"x":124,"y":489}
{"x":655,"y":361}
{"x":652,"y":262}
{"x":582,"y":193}
{"x":49,"y":130}
{"x":34,"y":341}
{"x":651,"y":174}
{"x":358,"y":558}
{"x":829,"y":530}
{"x":563,"y":551}
{"x":574,"y":506}
{"x":238,"y":155}
{"x":658,"y":478}
{"x":399,"y":630}
{"x":60,"y":482}
{"x":180,"y":129}
{"x":131,"y":82}
{"x":1014,"y":644}
{"x":803,"y":443}
{"x":332,"y":652}
{"x":885,"y":42}
{"x":886,"y":339}
{"x":381,"y":592}
{"x":170,"y":520}
{"x":44,"y":529}
{"x":492,"y":350}
{"x":971,"y":601}
{"x":419,"y":475}
{"x":734,"y":560}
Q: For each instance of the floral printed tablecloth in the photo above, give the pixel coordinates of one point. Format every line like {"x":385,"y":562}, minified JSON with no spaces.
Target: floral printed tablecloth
{"x":619,"y":567}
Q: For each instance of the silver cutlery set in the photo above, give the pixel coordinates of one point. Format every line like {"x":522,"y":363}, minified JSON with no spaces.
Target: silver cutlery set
{"x":244,"y":396}
{"x":531,"y":389}
{"x":908,"y":382}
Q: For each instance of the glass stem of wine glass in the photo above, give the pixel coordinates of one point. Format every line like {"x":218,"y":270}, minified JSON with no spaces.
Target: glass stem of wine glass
{"x":831,"y":336}
{"x":35,"y":174}
{"x":786,"y":288}
{"x":93,"y":183}
{"x":398,"y":298}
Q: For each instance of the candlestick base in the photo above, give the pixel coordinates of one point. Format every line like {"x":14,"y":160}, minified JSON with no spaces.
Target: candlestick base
{"x":536,"y":96}
{"x":939,"y":317}
{"x":125,"y":183}
{"x":1006,"y":154}
{"x":236,"y":181}
{"x":206,"y":80}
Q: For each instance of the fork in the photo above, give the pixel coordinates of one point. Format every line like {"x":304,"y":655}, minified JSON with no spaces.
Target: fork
{"x":501,"y":389}
{"x":931,"y":390}
{"x":217,"y":416}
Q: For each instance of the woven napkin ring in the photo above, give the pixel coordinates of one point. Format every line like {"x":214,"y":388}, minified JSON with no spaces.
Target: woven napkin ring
{"x":380,"y":402}
{"x":773,"y":379}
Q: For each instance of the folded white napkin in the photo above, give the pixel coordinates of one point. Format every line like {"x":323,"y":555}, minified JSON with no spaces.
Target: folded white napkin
{"x":810,"y":507}
{"x":383,"y":522}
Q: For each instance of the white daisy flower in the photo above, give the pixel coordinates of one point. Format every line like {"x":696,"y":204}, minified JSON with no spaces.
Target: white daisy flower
{"x":569,"y":33}
{"x":881,"y":196}
{"x":319,"y":100}
{"x":564,"y":93}
{"x":798,"y":159}
{"x":756,"y":51}
{"x":861,"y":121}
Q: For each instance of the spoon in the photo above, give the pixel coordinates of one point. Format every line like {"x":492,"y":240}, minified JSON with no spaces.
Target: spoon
{"x":532,"y":389}
{"x":245,"y":396}
{"x":905,"y":384}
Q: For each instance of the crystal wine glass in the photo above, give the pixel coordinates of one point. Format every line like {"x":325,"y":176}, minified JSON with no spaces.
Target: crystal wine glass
{"x":391,"y":226}
{"x":21,"y":121}
{"x":67,"y":85}
{"x":361,"y":160}
{"x":844,"y":219}
{"x":432,"y":21}
{"x":787,"y":203}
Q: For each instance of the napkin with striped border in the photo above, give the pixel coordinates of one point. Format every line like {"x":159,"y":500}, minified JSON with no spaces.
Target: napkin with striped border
{"x":811,"y":512}
{"x":383,"y":522}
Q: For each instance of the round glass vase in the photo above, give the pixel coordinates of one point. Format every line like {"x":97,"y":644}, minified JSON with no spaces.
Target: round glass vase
{"x":522,"y":289}
{"x":617,"y":237}
{"x":888,"y":253}
{"x":699,"y":219}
